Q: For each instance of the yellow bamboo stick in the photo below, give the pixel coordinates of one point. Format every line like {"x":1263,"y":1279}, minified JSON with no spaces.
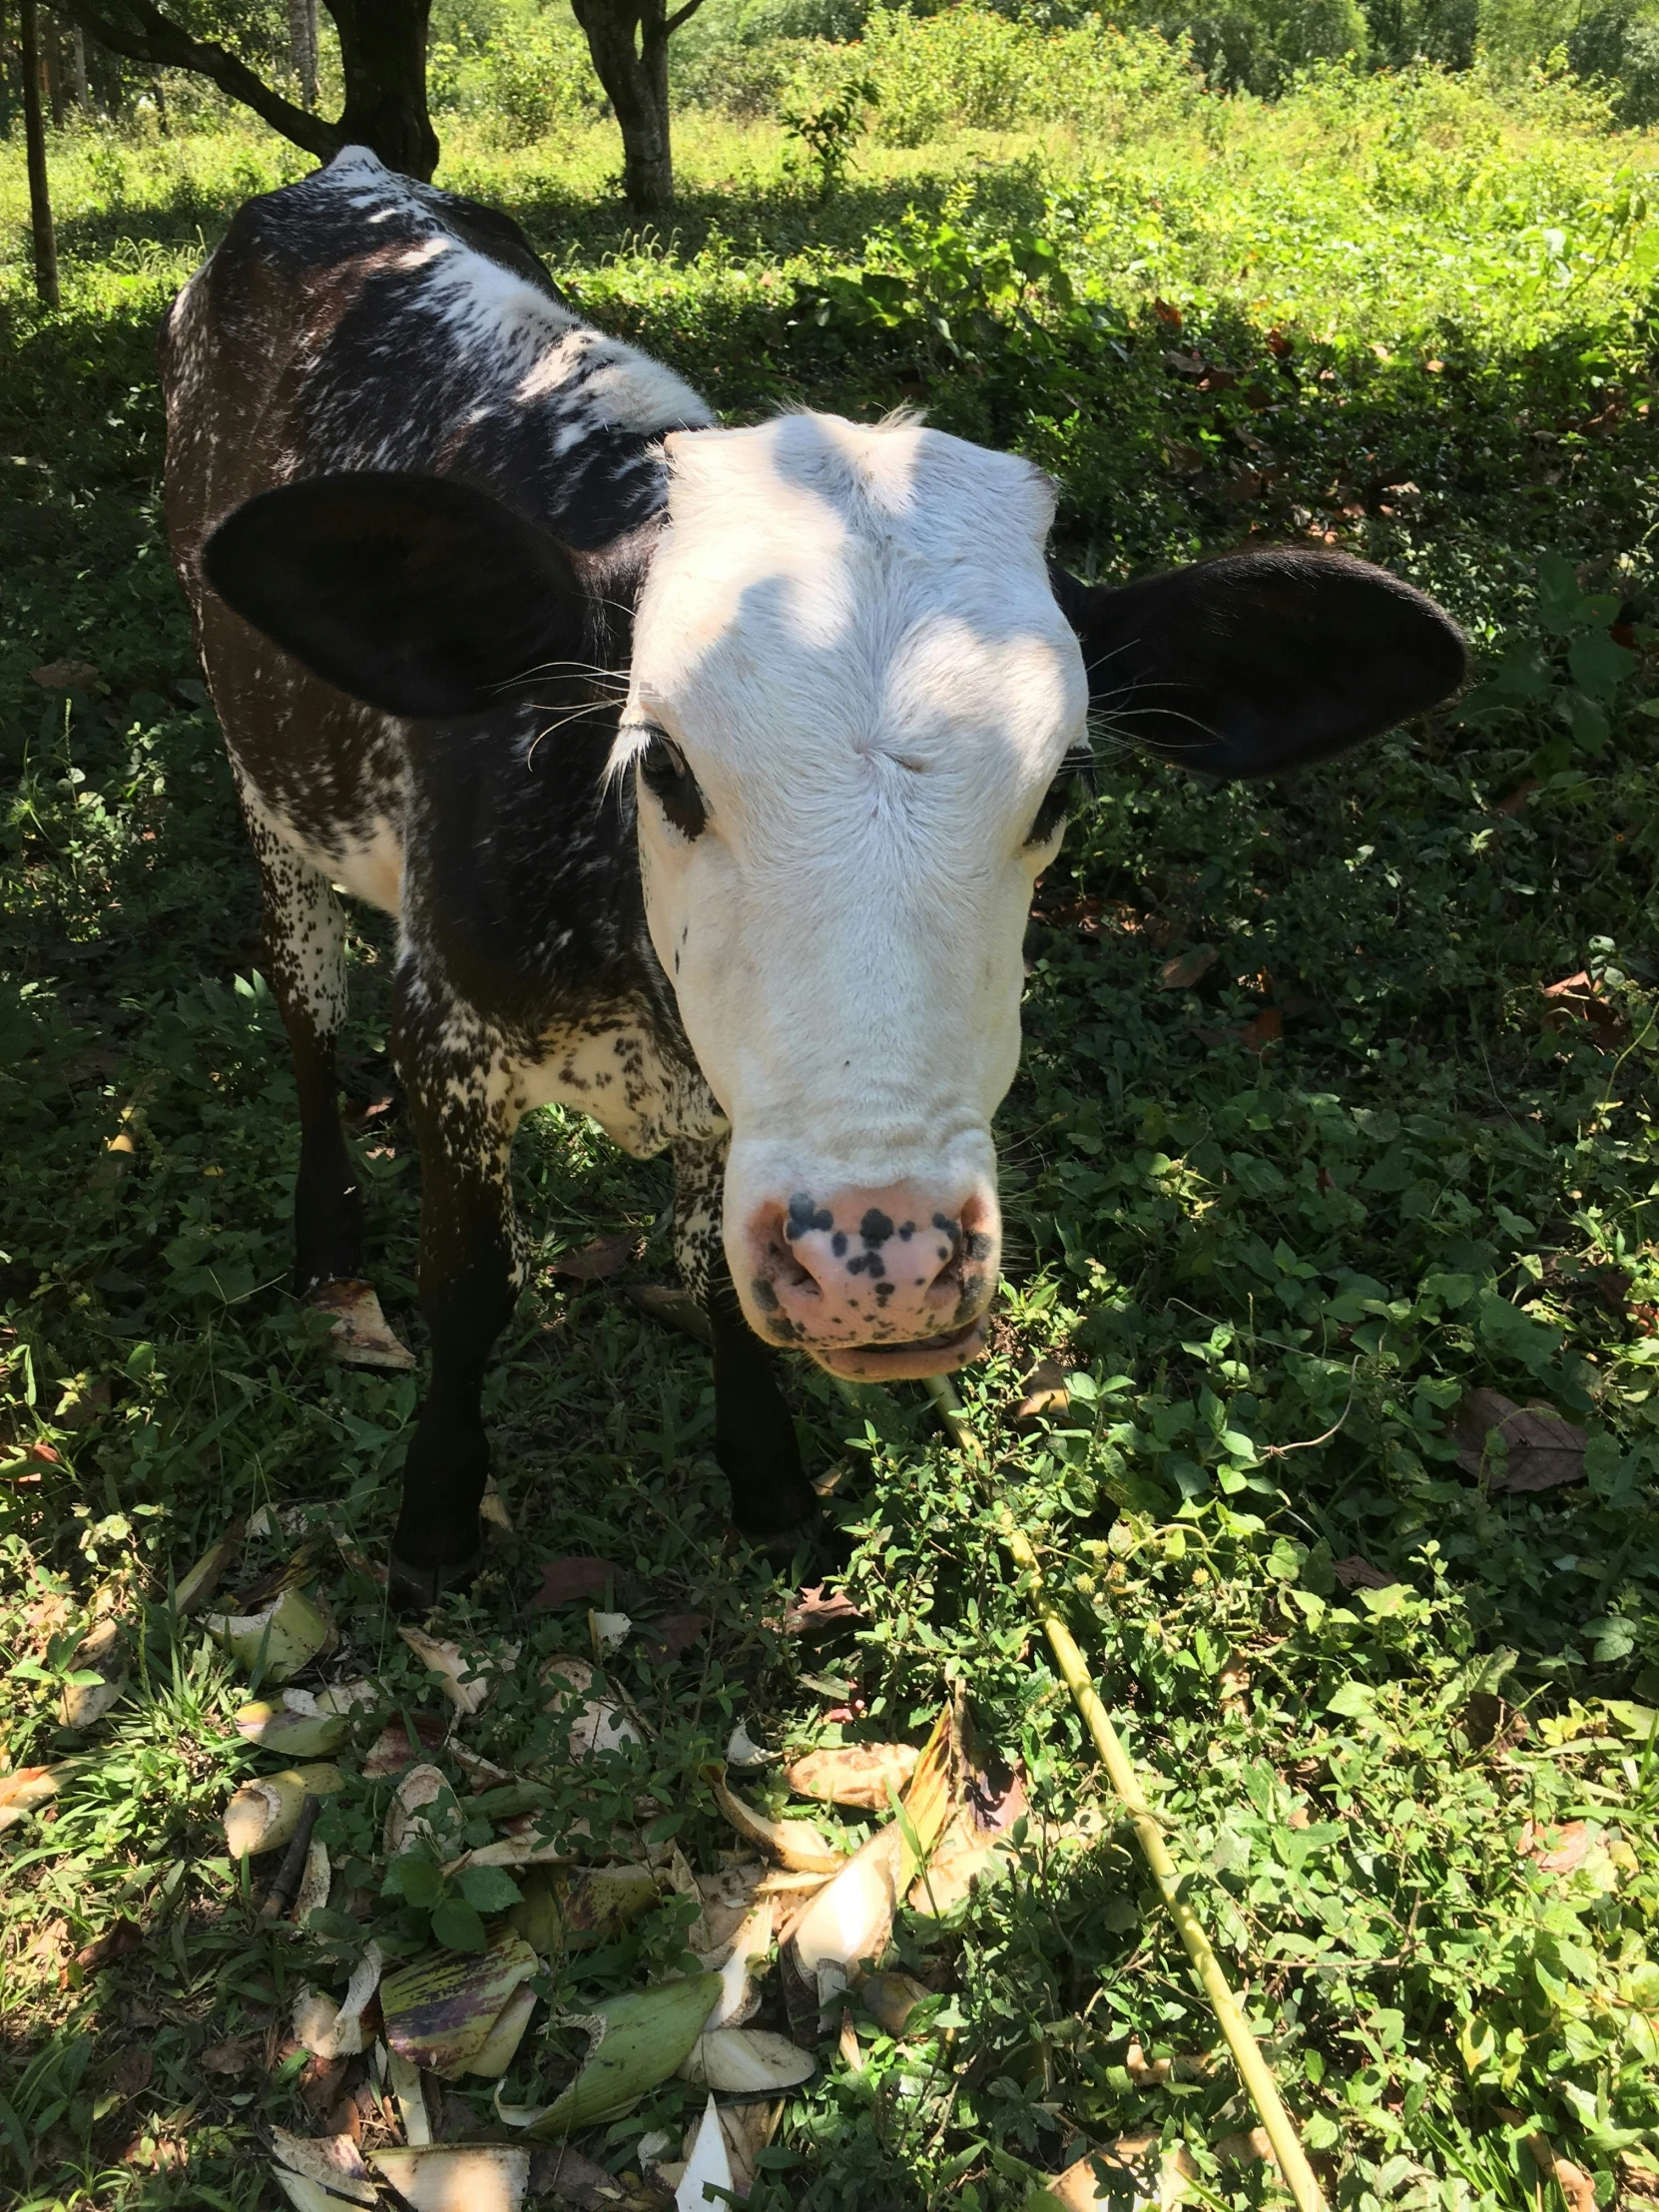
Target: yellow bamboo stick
{"x":1246,"y":2052}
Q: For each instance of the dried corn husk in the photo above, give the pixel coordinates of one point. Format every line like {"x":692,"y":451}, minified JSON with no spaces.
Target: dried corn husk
{"x":277,"y":1642}
{"x":331,"y":2030}
{"x":708,"y":2166}
{"x":975,"y":1844}
{"x":743,"y":1751}
{"x":25,"y":1788}
{"x":312,"y":1892}
{"x":505,"y":2036}
{"x":864,"y":1777}
{"x":404,"y":2080}
{"x":638,"y":2040}
{"x":735,"y":1961}
{"x":422,"y":1785}
{"x":594,"y":1722}
{"x":262,"y":1814}
{"x":329,"y":2166}
{"x":891,"y":1998}
{"x":745,"y":2062}
{"x":292,"y":1724}
{"x":440,"y":2012}
{"x":345,"y":1697}
{"x":850,"y":1918}
{"x":457,"y":2177}
{"x":609,"y":1632}
{"x":396,"y":1746}
{"x":83,"y":1704}
{"x":205,"y":1577}
{"x":445,"y":1660}
{"x":793,"y":1844}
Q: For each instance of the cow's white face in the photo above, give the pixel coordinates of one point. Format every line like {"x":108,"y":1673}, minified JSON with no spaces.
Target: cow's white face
{"x":853,"y":692}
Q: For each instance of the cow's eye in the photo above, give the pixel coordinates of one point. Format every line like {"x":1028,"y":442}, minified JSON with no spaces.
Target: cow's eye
{"x":671,"y":783}
{"x":1076,"y":779}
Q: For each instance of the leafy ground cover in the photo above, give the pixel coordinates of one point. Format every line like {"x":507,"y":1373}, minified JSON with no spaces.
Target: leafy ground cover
{"x":1336,"y":1108}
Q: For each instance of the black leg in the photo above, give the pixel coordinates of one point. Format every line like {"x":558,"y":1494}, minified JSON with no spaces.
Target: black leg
{"x":469,"y":1282}
{"x":754,"y":1439}
{"x":304,"y":937}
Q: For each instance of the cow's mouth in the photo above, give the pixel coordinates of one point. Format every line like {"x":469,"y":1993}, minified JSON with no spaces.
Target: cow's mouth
{"x":907,"y":1362}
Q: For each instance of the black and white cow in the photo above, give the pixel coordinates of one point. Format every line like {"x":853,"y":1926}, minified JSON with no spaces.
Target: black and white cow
{"x":707,"y":773}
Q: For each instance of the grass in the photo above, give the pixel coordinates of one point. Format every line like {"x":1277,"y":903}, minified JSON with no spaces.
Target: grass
{"x":1275,"y":1219}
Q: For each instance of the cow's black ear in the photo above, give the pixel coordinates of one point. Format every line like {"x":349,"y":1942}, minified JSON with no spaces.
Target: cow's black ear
{"x":421,"y":596}
{"x":1255,"y":663}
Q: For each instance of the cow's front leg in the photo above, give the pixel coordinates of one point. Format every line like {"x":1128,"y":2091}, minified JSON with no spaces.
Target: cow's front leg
{"x":754,"y":1439}
{"x":465,"y":1105}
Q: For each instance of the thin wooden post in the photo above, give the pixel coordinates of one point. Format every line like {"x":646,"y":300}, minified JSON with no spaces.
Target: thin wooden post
{"x":34,"y":138}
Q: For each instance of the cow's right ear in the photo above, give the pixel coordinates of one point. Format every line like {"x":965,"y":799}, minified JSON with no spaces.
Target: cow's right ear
{"x":418,"y":595}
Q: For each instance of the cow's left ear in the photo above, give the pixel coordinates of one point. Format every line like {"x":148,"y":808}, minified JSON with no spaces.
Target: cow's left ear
{"x":1255,"y":663}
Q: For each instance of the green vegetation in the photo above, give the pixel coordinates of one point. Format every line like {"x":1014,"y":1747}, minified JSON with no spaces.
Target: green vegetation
{"x":1274,"y":1211}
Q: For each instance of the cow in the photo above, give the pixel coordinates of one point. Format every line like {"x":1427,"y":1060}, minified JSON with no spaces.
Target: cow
{"x":706,"y":771}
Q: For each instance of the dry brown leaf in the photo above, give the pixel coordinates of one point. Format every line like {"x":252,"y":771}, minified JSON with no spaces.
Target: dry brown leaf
{"x":1354,"y":1574}
{"x":603,"y":1256}
{"x":1046,"y":1393}
{"x":361,"y":1335}
{"x":816,"y":1611}
{"x":1187,"y":968}
{"x":1556,"y":1849}
{"x":238,"y":2057}
{"x":864,"y":1777}
{"x":393,"y":1749}
{"x":572,"y":1582}
{"x":1516,"y":1447}
{"x":1582,"y":998}
{"x":1574,"y":2183}
{"x":66,"y":675}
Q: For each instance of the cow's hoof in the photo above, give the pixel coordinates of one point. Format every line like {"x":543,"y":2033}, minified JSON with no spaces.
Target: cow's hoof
{"x":412,"y":1589}
{"x":785,"y":1537}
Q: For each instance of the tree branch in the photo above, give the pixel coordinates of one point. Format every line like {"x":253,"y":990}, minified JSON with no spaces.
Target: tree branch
{"x":141,"y":33}
{"x":681,"y":15}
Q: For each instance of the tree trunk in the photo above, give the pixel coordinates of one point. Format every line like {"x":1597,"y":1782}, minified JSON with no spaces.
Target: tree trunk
{"x":628,"y":40}
{"x":34,"y":134}
{"x":78,"y":68}
{"x":302,"y":48}
{"x":51,"y":55}
{"x":384,"y":53}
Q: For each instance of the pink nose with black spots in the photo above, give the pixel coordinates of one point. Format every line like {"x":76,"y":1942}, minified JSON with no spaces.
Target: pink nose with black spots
{"x":877,"y":1285}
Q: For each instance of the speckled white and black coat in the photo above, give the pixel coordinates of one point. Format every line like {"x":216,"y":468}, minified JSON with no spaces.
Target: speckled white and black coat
{"x":359,"y":321}
{"x":835,"y":658}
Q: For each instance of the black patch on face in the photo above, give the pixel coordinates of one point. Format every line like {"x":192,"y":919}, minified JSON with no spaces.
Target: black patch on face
{"x":838,"y":1244}
{"x":875,"y":1228}
{"x":867,"y":1262}
{"x":764,"y":1296}
{"x":804,"y":1216}
{"x":978,"y":1245}
{"x":906,"y":1229}
{"x":665,"y":774}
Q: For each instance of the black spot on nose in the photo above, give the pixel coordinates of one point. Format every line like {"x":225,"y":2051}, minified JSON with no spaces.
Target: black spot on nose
{"x":804,"y":1216}
{"x":764,"y":1296}
{"x":838,"y":1244}
{"x":906,"y":1228}
{"x":875,"y":1228}
{"x":978,"y":1245}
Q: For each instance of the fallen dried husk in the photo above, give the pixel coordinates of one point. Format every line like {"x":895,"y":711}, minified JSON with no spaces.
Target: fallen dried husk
{"x":793,"y":1844}
{"x":891,"y":1998}
{"x":746,"y":2063}
{"x":331,"y":2030}
{"x":525,"y":1849}
{"x":288,"y":1635}
{"x":99,"y":1654}
{"x":864,"y":1777}
{"x":932,"y":1791}
{"x":708,"y":2166}
{"x":318,"y":2173}
{"x":264,"y":1814}
{"x":312,"y":1892}
{"x":361,"y":1335}
{"x":751,"y":1940}
{"x":345,"y":1697}
{"x":209,"y":1572}
{"x":404,"y":2082}
{"x":25,"y":1788}
{"x":422,"y":1785}
{"x":442,"y":2013}
{"x":640,"y":2038}
{"x":294,"y":1725}
{"x":396,"y":1746}
{"x":506,"y":2035}
{"x":987,"y":1797}
{"x":457,"y":2177}
{"x":850,"y":1918}
{"x":466,"y":1683}
{"x":593,"y":1723}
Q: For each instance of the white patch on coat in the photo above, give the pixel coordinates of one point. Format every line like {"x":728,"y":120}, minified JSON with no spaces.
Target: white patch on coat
{"x":850,"y":634}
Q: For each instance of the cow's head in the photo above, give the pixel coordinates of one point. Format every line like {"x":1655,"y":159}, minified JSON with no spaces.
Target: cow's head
{"x":858,"y":700}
